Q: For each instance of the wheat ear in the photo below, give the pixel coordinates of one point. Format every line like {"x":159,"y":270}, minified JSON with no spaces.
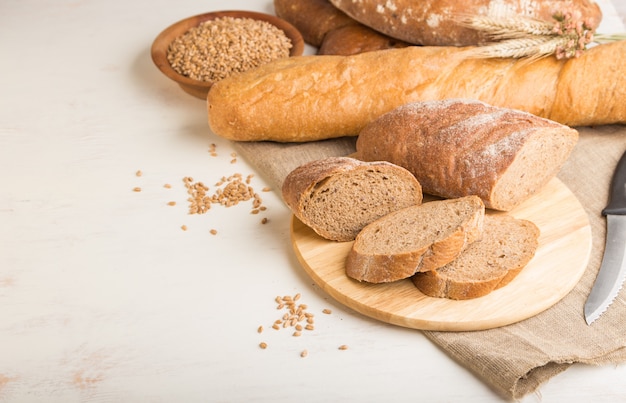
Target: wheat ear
{"x":534,"y":47}
{"x":507,"y":27}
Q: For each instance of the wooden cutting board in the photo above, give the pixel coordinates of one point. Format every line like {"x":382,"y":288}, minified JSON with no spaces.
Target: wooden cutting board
{"x":561,"y":259}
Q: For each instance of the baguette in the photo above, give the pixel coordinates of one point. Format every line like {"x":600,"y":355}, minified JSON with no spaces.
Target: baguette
{"x":318,"y":97}
{"x":457,"y":148}
{"x":436,"y":22}
{"x":338,"y":196}
{"x":507,"y":245}
{"x":415,"y":239}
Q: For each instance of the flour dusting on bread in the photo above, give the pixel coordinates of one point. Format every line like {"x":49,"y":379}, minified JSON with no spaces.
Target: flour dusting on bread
{"x":459,"y":147}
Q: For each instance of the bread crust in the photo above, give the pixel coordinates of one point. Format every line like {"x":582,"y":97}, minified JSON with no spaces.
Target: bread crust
{"x":457,"y":148}
{"x":319,"y":97}
{"x":370,"y":266}
{"x":436,"y":23}
{"x":355,"y":39}
{"x":313,"y":18}
{"x":330,"y":30}
{"x":306,"y":181}
{"x":490,"y":274}
{"x":299,"y":182}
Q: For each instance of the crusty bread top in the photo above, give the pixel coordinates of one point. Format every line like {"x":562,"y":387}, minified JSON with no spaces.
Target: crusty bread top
{"x":507,"y":245}
{"x":355,"y":39}
{"x":460,"y":147}
{"x":437,"y":22}
{"x":313,"y":18}
{"x":309,"y":98}
{"x":418,"y":238}
{"x":338,"y":196}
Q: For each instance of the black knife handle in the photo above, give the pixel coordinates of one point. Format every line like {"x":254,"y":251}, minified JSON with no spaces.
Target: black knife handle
{"x":617,"y":201}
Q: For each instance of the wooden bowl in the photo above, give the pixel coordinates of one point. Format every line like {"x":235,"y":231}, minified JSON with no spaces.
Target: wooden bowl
{"x":199,"y":88}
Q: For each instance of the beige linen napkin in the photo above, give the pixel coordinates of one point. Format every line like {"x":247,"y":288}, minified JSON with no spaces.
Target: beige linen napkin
{"x":516,"y":359}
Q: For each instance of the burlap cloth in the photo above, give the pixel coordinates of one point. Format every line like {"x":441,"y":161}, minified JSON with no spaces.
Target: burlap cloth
{"x":516,"y":359}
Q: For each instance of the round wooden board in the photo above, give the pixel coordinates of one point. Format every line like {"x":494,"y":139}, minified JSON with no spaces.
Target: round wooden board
{"x":556,"y":268}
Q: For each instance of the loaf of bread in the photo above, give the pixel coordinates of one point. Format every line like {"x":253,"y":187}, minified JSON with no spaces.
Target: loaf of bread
{"x":338,"y":196}
{"x":415,"y":239}
{"x":317,"y":97}
{"x":330,"y":30}
{"x":506,"y":247}
{"x":355,"y":39}
{"x":313,"y":18}
{"x":437,"y":22}
{"x":457,"y":148}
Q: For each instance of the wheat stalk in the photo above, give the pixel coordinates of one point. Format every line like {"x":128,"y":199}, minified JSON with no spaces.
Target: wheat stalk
{"x":606,"y":38}
{"x":516,"y":36}
{"x":531,"y":47}
{"x":507,"y":27}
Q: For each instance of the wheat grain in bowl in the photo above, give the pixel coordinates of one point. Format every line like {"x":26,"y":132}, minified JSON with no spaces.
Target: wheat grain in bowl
{"x":218,"y":48}
{"x":198,"y":51}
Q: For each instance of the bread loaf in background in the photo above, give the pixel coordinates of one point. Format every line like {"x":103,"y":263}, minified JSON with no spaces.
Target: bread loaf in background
{"x":318,"y":97}
{"x":415,"y":239}
{"x":436,"y":22}
{"x":338,"y":196}
{"x":313,"y":18}
{"x":355,"y":39}
{"x":506,"y":247}
{"x":330,"y":30}
{"x":457,"y":148}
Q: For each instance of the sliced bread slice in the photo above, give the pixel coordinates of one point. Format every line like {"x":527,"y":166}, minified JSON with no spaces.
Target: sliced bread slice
{"x":414,"y":239}
{"x":338,"y":196}
{"x":508,"y":244}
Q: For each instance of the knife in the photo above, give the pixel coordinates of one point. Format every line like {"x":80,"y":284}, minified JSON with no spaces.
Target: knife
{"x":613,"y":268}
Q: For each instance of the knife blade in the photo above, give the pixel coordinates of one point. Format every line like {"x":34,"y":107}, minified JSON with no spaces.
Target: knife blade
{"x":612,"y":273}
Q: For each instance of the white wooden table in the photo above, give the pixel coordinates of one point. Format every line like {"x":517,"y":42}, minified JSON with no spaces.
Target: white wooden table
{"x":104,"y":297}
